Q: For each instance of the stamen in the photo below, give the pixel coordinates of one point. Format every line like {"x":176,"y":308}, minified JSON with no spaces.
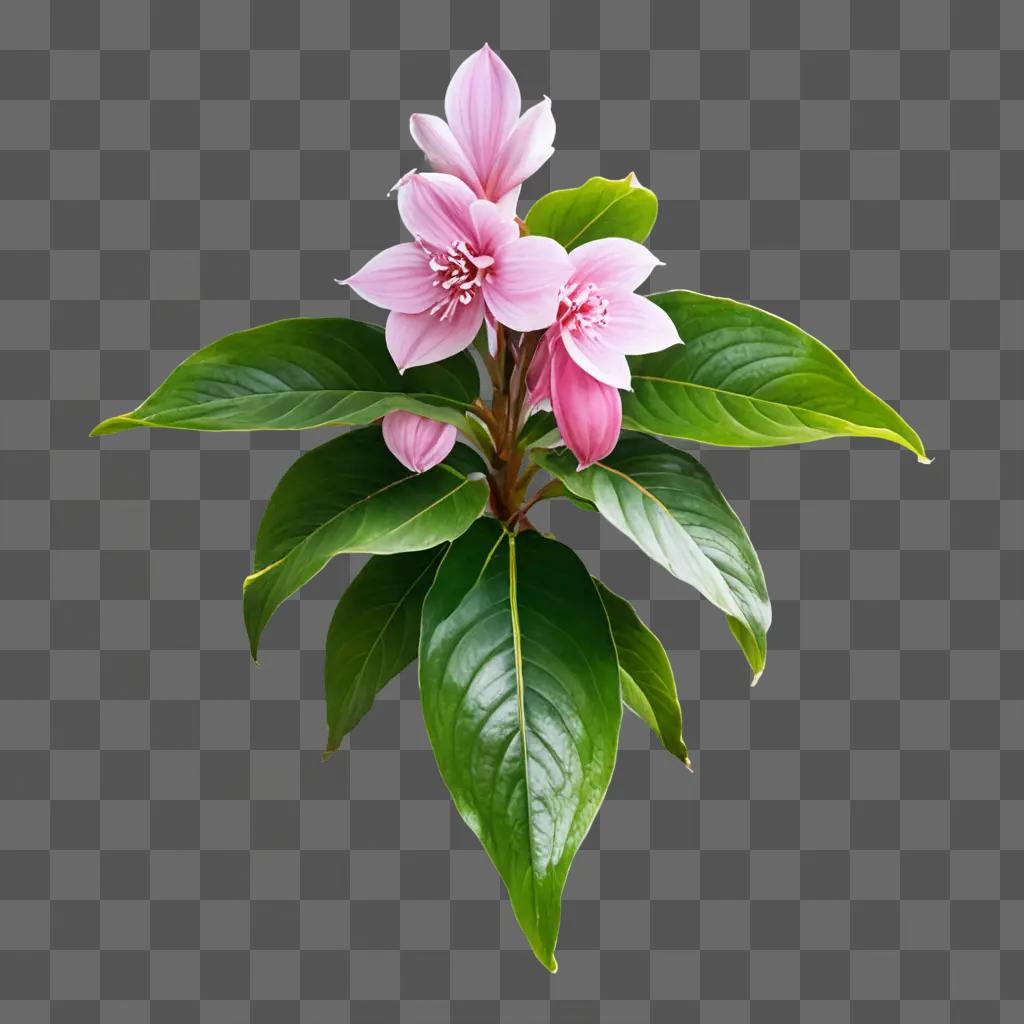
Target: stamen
{"x":458,"y":272}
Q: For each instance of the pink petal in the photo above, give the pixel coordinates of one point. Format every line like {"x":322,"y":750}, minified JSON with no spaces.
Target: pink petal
{"x":636,"y":325}
{"x":397,"y":278}
{"x":415,"y":339}
{"x":492,"y":332}
{"x":613,"y":264}
{"x":509,"y":202}
{"x":522,"y":290}
{"x":418,"y":443}
{"x":435,"y":207}
{"x":482,"y":104}
{"x":597,"y":359}
{"x":538,"y":376}
{"x":588,"y":413}
{"x":442,"y":149}
{"x":525,"y":150}
{"x":493,"y":229}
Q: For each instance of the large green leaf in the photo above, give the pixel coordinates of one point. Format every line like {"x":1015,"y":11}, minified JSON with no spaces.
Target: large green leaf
{"x":374,"y":634}
{"x":352,"y":495}
{"x":599,"y":208}
{"x":748,"y":378}
{"x":648,"y":684}
{"x":300,"y":373}
{"x":668,"y":504}
{"x":520,"y":692}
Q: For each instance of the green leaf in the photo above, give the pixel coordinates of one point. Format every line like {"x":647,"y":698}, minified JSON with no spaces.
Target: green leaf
{"x":667,"y":503}
{"x":648,"y":684}
{"x":374,"y":634}
{"x":539,"y":431}
{"x":520,"y":693}
{"x":599,"y":208}
{"x":748,"y":378}
{"x":352,"y":495}
{"x":300,"y":373}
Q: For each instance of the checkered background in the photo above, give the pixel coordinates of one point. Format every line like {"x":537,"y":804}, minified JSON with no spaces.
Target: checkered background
{"x":851,"y":848}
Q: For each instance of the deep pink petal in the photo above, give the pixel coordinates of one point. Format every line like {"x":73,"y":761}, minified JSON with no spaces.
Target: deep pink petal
{"x":613,"y":264}
{"x":415,"y":339}
{"x":435,"y":207}
{"x":636,"y":325}
{"x":588,"y":413}
{"x":482,"y":104}
{"x":418,"y":443}
{"x":597,"y":359}
{"x":442,"y":149}
{"x":525,"y":150}
{"x":397,"y":278}
{"x":522,"y":290}
{"x":492,"y":228}
{"x":538,"y":376}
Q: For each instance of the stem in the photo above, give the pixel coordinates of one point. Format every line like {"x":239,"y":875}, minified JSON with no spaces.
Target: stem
{"x":552,"y":489}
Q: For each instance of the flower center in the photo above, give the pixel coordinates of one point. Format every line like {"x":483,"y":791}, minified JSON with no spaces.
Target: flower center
{"x":582,"y":309}
{"x":458,"y":273}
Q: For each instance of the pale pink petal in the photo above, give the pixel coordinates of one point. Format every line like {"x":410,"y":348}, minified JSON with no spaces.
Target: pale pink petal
{"x":588,"y":413}
{"x":593,"y":357}
{"x":636,"y":325}
{"x":522,"y":290}
{"x":482,"y":104}
{"x":415,"y":339}
{"x":525,"y":150}
{"x":493,"y":229}
{"x":492,"y":332}
{"x":435,"y":207}
{"x":509,"y":202}
{"x":397,"y":278}
{"x":442,"y":149}
{"x":418,"y":443}
{"x":613,"y":264}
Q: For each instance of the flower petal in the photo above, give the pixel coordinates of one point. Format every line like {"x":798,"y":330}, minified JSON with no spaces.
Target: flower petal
{"x":397,"y":278}
{"x":525,"y":150}
{"x":509,"y":202}
{"x":435,"y":207}
{"x":482,"y":104}
{"x":635,"y":325}
{"x":588,"y":413}
{"x":442,"y":149}
{"x":617,"y":264}
{"x":415,"y":339}
{"x":522,"y":290}
{"x":417,"y":442}
{"x":493,"y":229}
{"x":538,"y":376}
{"x":597,"y":359}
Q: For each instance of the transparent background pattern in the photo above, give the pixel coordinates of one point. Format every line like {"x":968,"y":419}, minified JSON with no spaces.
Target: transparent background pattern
{"x":851,"y":847}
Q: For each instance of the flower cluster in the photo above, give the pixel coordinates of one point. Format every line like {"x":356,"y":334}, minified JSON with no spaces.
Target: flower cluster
{"x":573,"y":316}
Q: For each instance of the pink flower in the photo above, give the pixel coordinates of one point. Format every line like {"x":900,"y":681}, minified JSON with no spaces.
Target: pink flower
{"x":581,"y":362}
{"x":418,"y":443}
{"x":468,"y":258}
{"x":485,"y":142}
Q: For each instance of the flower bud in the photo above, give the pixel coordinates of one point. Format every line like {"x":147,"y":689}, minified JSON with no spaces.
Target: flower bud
{"x":417,"y":442}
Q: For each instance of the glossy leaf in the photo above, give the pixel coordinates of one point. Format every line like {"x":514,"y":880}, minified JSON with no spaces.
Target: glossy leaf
{"x":520,"y":692}
{"x":599,"y":208}
{"x":352,"y":495}
{"x":748,"y":378}
{"x":539,"y":431}
{"x":668,"y":504}
{"x":374,"y":634}
{"x":293,"y":374}
{"x":648,"y":684}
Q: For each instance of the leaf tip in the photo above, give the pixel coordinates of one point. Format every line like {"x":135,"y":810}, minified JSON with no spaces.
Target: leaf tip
{"x":688,"y":764}
{"x":924,"y":460}
{"x":757,"y":675}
